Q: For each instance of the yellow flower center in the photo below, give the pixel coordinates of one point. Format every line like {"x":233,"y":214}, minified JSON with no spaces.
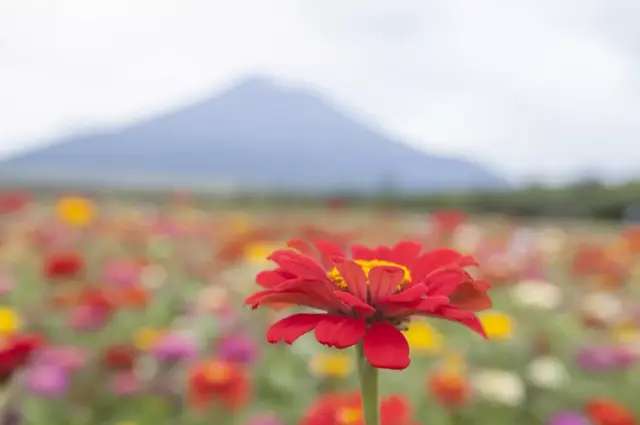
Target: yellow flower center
{"x":349,"y":416}
{"x":367,"y":265}
{"x":9,"y":321}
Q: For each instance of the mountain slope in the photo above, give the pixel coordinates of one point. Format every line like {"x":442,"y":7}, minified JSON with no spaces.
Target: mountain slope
{"x":256,"y":134}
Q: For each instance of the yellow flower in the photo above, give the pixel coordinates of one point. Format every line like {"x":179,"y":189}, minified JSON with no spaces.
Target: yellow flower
{"x":422,"y":337}
{"x":145,"y":338}
{"x":626,"y":333}
{"x":10,"y":321}
{"x":257,"y":253}
{"x":334,"y":365}
{"x":497,"y":325}
{"x":76,"y":211}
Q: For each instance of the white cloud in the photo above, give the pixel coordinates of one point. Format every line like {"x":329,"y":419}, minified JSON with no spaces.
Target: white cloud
{"x":534,"y":86}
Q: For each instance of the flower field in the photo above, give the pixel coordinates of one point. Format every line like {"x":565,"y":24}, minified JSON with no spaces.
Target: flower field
{"x":138,"y":313}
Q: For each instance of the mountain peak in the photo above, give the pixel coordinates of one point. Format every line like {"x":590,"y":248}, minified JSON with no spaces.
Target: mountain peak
{"x":258,"y":133}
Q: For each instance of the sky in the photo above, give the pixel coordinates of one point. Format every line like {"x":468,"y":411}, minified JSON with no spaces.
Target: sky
{"x":538,"y":89}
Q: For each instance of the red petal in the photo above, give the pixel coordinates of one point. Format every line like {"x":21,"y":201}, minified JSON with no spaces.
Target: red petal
{"x":465,"y":318}
{"x":298,"y":264}
{"x":445,"y":281}
{"x":293,"y":327}
{"x":271,"y":298}
{"x":382,"y":253}
{"x":394,"y":409}
{"x":414,"y":293}
{"x":340,"y":331}
{"x":354,"y":277}
{"x":359,"y":252}
{"x":405,"y":253}
{"x":271,"y":278}
{"x":385,"y":347}
{"x":329,"y":251}
{"x":356,"y":304}
{"x":301,"y":246}
{"x":436,"y":259}
{"x":384,"y":280}
{"x":471,"y":296}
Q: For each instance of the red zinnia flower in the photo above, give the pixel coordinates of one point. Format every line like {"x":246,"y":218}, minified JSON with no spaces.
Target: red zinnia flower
{"x":603,"y":411}
{"x":120,"y":357}
{"x":346,"y":409}
{"x":63,"y":265}
{"x":15,"y":351}
{"x":368,"y":297}
{"x":220,"y":381}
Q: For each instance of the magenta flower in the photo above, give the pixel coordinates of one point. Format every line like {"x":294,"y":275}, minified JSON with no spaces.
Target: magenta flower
{"x":175,"y":347}
{"x":68,"y":358}
{"x":603,"y":358}
{"x":47,"y":381}
{"x":568,"y":417}
{"x":238,"y":348}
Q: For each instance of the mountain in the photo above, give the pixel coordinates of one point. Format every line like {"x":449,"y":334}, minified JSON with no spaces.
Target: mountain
{"x":257,"y":134}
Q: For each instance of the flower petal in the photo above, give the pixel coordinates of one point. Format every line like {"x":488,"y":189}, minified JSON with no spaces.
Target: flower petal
{"x":355,"y":303}
{"x":329,"y":252}
{"x":465,"y":318}
{"x":471,"y":296}
{"x":271,"y":278}
{"x":298,"y":264}
{"x":433,"y":260}
{"x":293,"y":327}
{"x":446,"y":281}
{"x":359,"y":252}
{"x":386,"y":347}
{"x":340,"y":331}
{"x":405,"y":253}
{"x":384,"y":280}
{"x":354,"y":277}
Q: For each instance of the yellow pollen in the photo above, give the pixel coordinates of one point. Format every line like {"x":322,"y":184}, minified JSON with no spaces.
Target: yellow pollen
{"x":349,"y":416}
{"x":367,"y":265}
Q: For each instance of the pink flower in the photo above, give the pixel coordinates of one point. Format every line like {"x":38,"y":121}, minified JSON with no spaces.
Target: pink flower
{"x":87,"y":318}
{"x":125,"y":384}
{"x":121,"y":273}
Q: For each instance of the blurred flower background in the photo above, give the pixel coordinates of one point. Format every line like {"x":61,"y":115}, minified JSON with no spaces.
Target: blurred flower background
{"x":154,"y":154}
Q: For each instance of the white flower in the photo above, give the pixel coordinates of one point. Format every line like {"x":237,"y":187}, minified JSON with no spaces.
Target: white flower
{"x":499,"y":386}
{"x":153,"y":276}
{"x":547,"y":372}
{"x":537,"y":294}
{"x":603,"y":306}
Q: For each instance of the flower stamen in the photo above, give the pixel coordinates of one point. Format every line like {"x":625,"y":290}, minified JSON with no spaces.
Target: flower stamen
{"x":367,"y":265}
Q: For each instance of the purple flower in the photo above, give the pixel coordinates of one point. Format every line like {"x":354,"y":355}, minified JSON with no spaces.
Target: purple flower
{"x":47,"y":381}
{"x":568,"y":417}
{"x":174,"y":347}
{"x":238,"y":348}
{"x":604,"y":358}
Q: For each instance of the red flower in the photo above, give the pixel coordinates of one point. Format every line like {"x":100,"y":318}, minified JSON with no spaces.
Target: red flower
{"x":63,"y":265}
{"x":603,"y":411}
{"x":346,"y":409}
{"x":216,"y":380}
{"x":368,"y":297}
{"x":120,"y":357}
{"x":15,"y":351}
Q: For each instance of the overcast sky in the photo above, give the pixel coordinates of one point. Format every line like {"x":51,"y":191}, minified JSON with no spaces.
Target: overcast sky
{"x":534,"y":87}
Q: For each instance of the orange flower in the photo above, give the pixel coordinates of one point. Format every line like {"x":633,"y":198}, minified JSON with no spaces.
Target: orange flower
{"x":450,"y":389}
{"x":346,"y":409}
{"x":604,"y":411}
{"x":132,"y":297}
{"x":219,"y":381}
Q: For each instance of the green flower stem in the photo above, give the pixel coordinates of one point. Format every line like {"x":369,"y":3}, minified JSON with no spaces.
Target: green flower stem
{"x":368,"y":388}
